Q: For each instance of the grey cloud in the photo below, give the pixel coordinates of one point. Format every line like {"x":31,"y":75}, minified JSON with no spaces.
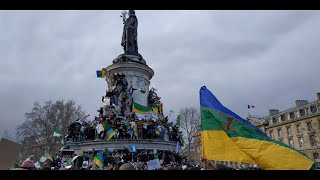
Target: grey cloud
{"x":264,"y":58}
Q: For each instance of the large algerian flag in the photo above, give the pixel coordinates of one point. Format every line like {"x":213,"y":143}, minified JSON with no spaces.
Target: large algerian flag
{"x":145,"y":112}
{"x":57,"y":132}
{"x":228,"y":137}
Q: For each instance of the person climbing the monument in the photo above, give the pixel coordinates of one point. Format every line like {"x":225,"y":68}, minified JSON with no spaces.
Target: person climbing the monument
{"x":100,"y":112}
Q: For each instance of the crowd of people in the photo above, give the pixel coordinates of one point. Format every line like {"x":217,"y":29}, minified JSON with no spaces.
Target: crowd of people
{"x":125,"y":128}
{"x":116,"y":121}
{"x":116,"y":115}
{"x":123,"y":159}
{"x":111,"y":160}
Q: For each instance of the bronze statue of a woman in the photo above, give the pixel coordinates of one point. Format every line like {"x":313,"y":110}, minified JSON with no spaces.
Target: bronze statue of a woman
{"x":130,"y":33}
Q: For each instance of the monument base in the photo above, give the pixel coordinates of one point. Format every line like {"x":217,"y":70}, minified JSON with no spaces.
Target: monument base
{"x":138,"y":76}
{"x":119,"y":144}
{"x":128,"y":57}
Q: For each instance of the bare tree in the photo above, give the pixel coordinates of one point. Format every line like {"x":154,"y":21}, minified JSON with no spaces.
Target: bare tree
{"x":190,"y":124}
{"x":6,"y":134}
{"x":36,"y":133}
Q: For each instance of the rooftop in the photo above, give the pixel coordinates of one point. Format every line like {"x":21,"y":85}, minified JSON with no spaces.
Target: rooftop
{"x":292,"y":109}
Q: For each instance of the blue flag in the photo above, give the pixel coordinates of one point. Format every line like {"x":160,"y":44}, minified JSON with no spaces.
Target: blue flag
{"x":133,"y":148}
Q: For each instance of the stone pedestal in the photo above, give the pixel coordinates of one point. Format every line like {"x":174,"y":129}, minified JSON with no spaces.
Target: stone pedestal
{"x":138,"y":76}
{"x":119,"y":144}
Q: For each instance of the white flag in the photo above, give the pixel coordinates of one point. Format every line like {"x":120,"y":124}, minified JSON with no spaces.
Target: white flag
{"x":153,"y":164}
{"x":37,"y":165}
{"x":57,"y":132}
{"x":85,"y":164}
{"x":43,"y":159}
{"x":74,"y":158}
{"x":99,"y":128}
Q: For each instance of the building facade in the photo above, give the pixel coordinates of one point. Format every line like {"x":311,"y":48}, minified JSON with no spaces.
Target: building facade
{"x":298,"y":127}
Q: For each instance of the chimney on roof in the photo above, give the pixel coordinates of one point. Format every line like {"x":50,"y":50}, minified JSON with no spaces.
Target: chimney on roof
{"x":300,"y":103}
{"x":273,"y":112}
{"x":318,"y":96}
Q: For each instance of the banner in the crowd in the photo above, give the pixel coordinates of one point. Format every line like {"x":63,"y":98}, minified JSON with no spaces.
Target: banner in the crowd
{"x":99,"y":128}
{"x":144,"y":112}
{"x":133,"y":148}
{"x":153,"y":164}
{"x":37,"y":165}
{"x":43,"y":159}
{"x":9,"y":152}
{"x":85,"y":164}
{"x":150,"y":115}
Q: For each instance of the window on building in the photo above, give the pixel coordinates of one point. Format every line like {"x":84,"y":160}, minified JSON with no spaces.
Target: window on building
{"x":301,"y":142}
{"x":271,"y":134}
{"x":290,"y":142}
{"x":313,"y":109}
{"x":289,"y":130}
{"x":315,"y":156}
{"x":283,"y":117}
{"x":279,"y":133}
{"x":312,"y":140}
{"x":302,"y":112}
{"x":274,"y":120}
{"x":309,"y":126}
{"x":292,"y":115}
{"x":298,"y":128}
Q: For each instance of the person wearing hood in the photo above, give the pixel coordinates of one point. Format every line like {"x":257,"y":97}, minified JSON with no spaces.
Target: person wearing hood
{"x":28,"y":163}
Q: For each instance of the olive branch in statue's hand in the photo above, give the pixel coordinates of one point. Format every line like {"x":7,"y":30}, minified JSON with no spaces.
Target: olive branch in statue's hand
{"x":124,"y":16}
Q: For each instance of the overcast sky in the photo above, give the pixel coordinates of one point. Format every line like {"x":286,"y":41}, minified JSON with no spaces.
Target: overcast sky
{"x":261,"y":58}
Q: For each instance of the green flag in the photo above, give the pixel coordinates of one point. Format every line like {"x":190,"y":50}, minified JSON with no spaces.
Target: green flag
{"x":106,"y":151}
{"x":57,"y":132}
{"x":15,"y":165}
{"x":178,"y":120}
{"x":127,"y":123}
{"x":106,"y":126}
{"x":156,"y":156}
{"x":69,"y":161}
